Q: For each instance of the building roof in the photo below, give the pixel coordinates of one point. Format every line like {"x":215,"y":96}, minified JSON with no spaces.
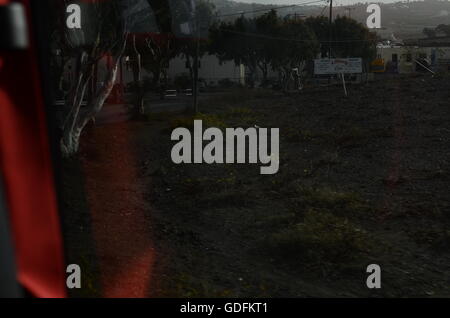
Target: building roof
{"x":429,"y":42}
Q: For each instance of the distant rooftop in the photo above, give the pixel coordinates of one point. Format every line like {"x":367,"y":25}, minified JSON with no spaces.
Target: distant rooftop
{"x":431,"y":41}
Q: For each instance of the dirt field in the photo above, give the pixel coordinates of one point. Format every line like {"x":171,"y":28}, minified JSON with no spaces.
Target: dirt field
{"x":363,"y":180}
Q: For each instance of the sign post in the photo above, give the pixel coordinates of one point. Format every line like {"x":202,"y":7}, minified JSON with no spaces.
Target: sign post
{"x":343,"y":84}
{"x":338,"y":66}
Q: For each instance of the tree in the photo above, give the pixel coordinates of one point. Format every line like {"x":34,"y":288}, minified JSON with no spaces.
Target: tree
{"x":157,"y":51}
{"x":106,"y":37}
{"x":223,"y":42}
{"x":61,"y":52}
{"x":431,"y":33}
{"x":136,"y":66}
{"x":162,"y":12}
{"x":264,"y":42}
{"x":197,"y":45}
{"x":266,"y":27}
{"x":296,"y":43}
{"x":443,"y":28}
{"x":352,"y":39}
{"x":286,"y":45}
{"x":349,"y":38}
{"x":154,"y":50}
{"x":321,"y":27}
{"x":236,"y":41}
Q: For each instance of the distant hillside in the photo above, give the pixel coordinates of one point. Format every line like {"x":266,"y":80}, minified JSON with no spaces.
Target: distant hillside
{"x":401,"y":20}
{"x":404,"y":20}
{"x":226,"y":7}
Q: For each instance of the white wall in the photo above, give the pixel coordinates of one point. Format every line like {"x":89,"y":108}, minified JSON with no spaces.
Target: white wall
{"x":441,"y":53}
{"x":210,"y":69}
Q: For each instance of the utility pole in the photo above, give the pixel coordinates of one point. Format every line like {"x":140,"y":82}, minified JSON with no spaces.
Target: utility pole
{"x":195,"y":84}
{"x":330,"y":27}
{"x":330,"y":36}
{"x":196,"y":63}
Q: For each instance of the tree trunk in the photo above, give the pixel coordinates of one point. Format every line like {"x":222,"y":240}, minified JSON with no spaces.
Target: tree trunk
{"x":287,"y":72}
{"x":78,"y":118}
{"x":191,"y":68}
{"x":251,"y":76}
{"x":137,"y":78}
{"x":59,"y":75}
{"x":156,"y":77}
{"x":74,"y":100}
{"x":264,"y":70}
{"x":265,"y":73}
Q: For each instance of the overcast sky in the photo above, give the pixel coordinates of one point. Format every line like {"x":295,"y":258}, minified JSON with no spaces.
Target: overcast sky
{"x":338,"y":2}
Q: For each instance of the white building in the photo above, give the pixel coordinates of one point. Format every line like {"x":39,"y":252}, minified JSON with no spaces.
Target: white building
{"x":402,"y":59}
{"x":211,"y":70}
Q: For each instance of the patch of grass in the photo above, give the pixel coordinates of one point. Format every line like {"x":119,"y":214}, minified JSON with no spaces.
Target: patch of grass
{"x":160,"y":117}
{"x":328,"y":159}
{"x":437,"y":175}
{"x":284,"y":220}
{"x":348,"y":137}
{"x":240,"y":112}
{"x":227,"y":182}
{"x":236,"y":97}
{"x":197,"y":186}
{"x":339,"y":203}
{"x":193,"y":186}
{"x":299,"y":135}
{"x":241,"y":116}
{"x":438,"y":238}
{"x":321,"y":237}
{"x":209,"y":120}
{"x":245,"y":94}
{"x":227,"y":198}
{"x":226,"y":190}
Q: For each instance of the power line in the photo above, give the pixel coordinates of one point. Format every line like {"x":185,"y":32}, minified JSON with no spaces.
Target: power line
{"x":330,"y":27}
{"x":268,"y":9}
{"x":254,"y":11}
{"x":292,"y":39}
{"x":323,"y":10}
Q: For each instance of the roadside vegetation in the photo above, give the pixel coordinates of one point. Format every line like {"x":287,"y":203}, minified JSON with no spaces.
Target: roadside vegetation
{"x":333,"y":209}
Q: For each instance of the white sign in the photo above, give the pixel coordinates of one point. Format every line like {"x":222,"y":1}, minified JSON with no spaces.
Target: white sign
{"x":338,"y":66}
